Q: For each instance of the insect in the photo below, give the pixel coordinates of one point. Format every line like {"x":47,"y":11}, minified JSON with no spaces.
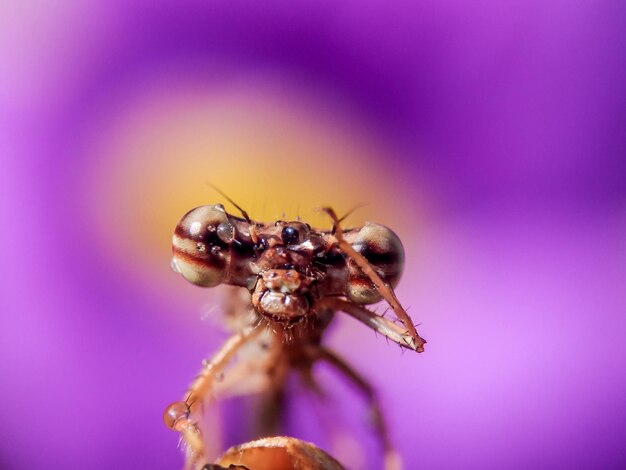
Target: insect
{"x":291,"y":280}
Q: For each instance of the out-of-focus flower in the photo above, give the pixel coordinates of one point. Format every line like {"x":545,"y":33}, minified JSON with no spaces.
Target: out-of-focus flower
{"x":489,"y":134}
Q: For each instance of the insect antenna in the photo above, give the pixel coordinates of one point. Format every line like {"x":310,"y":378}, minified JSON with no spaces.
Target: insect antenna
{"x":223,"y":194}
{"x":351,"y":211}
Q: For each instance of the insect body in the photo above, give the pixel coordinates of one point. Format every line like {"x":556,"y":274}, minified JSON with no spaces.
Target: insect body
{"x":295,"y":279}
{"x":276,"y":453}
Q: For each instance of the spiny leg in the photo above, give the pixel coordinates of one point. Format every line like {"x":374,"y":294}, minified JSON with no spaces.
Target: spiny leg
{"x":385,"y":290}
{"x":395,"y":332}
{"x":179,"y":415}
{"x":391,"y":458}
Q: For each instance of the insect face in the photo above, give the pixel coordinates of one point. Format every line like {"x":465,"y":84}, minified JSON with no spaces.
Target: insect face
{"x":282,"y":295}
{"x":282,"y":292}
{"x":280,"y":263}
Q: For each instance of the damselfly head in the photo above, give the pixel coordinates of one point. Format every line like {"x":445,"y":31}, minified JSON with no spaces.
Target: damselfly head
{"x":286,"y":266}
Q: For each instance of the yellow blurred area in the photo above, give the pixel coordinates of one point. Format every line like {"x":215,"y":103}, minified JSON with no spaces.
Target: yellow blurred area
{"x":277,"y":156}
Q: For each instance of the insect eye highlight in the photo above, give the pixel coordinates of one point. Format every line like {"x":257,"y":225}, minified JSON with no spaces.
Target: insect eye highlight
{"x":290,"y":235}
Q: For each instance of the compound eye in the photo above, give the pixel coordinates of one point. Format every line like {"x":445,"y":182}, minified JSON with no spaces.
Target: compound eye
{"x":383,"y":250}
{"x":199,"y":250}
{"x":290,"y":235}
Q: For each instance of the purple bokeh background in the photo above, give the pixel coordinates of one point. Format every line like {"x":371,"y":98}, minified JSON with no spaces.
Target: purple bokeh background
{"x":509,"y":123}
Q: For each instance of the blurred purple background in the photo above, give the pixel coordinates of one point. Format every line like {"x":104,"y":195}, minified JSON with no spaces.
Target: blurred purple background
{"x":490,"y":134}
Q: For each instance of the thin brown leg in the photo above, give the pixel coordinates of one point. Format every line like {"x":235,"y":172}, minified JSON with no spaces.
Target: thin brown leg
{"x":395,"y":332}
{"x":385,"y":290}
{"x":391,"y":458}
{"x":179,"y":416}
{"x":270,"y":415}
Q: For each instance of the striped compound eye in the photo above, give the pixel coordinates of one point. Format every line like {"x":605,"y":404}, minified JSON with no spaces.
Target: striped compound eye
{"x":383,"y":250}
{"x":200,"y":245}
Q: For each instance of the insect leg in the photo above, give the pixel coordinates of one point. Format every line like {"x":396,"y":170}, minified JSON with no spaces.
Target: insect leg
{"x":391,"y":458}
{"x":179,"y":415}
{"x":270,"y":414}
{"x":385,"y":290}
{"x":394,"y":331}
